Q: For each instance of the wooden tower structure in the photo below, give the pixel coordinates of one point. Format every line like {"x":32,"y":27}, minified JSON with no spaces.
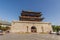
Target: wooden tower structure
{"x":30,"y":16}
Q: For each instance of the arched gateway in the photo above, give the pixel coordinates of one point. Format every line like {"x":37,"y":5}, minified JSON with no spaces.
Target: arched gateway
{"x":33,"y":29}
{"x":30,"y":22}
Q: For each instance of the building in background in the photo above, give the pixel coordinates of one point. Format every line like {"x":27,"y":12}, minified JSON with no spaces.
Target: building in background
{"x":4,"y":23}
{"x":30,"y":22}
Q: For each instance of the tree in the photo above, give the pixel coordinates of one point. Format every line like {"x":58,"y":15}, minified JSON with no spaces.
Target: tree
{"x":0,"y":27}
{"x":55,"y":28}
{"x":4,"y":28}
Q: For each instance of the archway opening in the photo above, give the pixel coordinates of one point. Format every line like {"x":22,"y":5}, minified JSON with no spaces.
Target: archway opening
{"x":33,"y":29}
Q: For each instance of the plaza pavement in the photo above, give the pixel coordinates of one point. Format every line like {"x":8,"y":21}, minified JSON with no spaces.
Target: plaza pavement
{"x":13,"y":36}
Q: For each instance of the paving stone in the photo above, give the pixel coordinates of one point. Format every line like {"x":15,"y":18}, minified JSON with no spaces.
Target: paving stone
{"x":13,"y":36}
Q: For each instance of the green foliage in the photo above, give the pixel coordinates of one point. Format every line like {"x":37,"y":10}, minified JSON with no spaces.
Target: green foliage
{"x":0,"y":27}
{"x":4,"y":28}
{"x":55,"y":28}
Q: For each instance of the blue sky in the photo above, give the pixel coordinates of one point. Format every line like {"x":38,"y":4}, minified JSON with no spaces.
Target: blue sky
{"x":11,"y":9}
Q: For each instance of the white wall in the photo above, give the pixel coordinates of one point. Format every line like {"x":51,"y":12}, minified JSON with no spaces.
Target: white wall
{"x":22,"y":26}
